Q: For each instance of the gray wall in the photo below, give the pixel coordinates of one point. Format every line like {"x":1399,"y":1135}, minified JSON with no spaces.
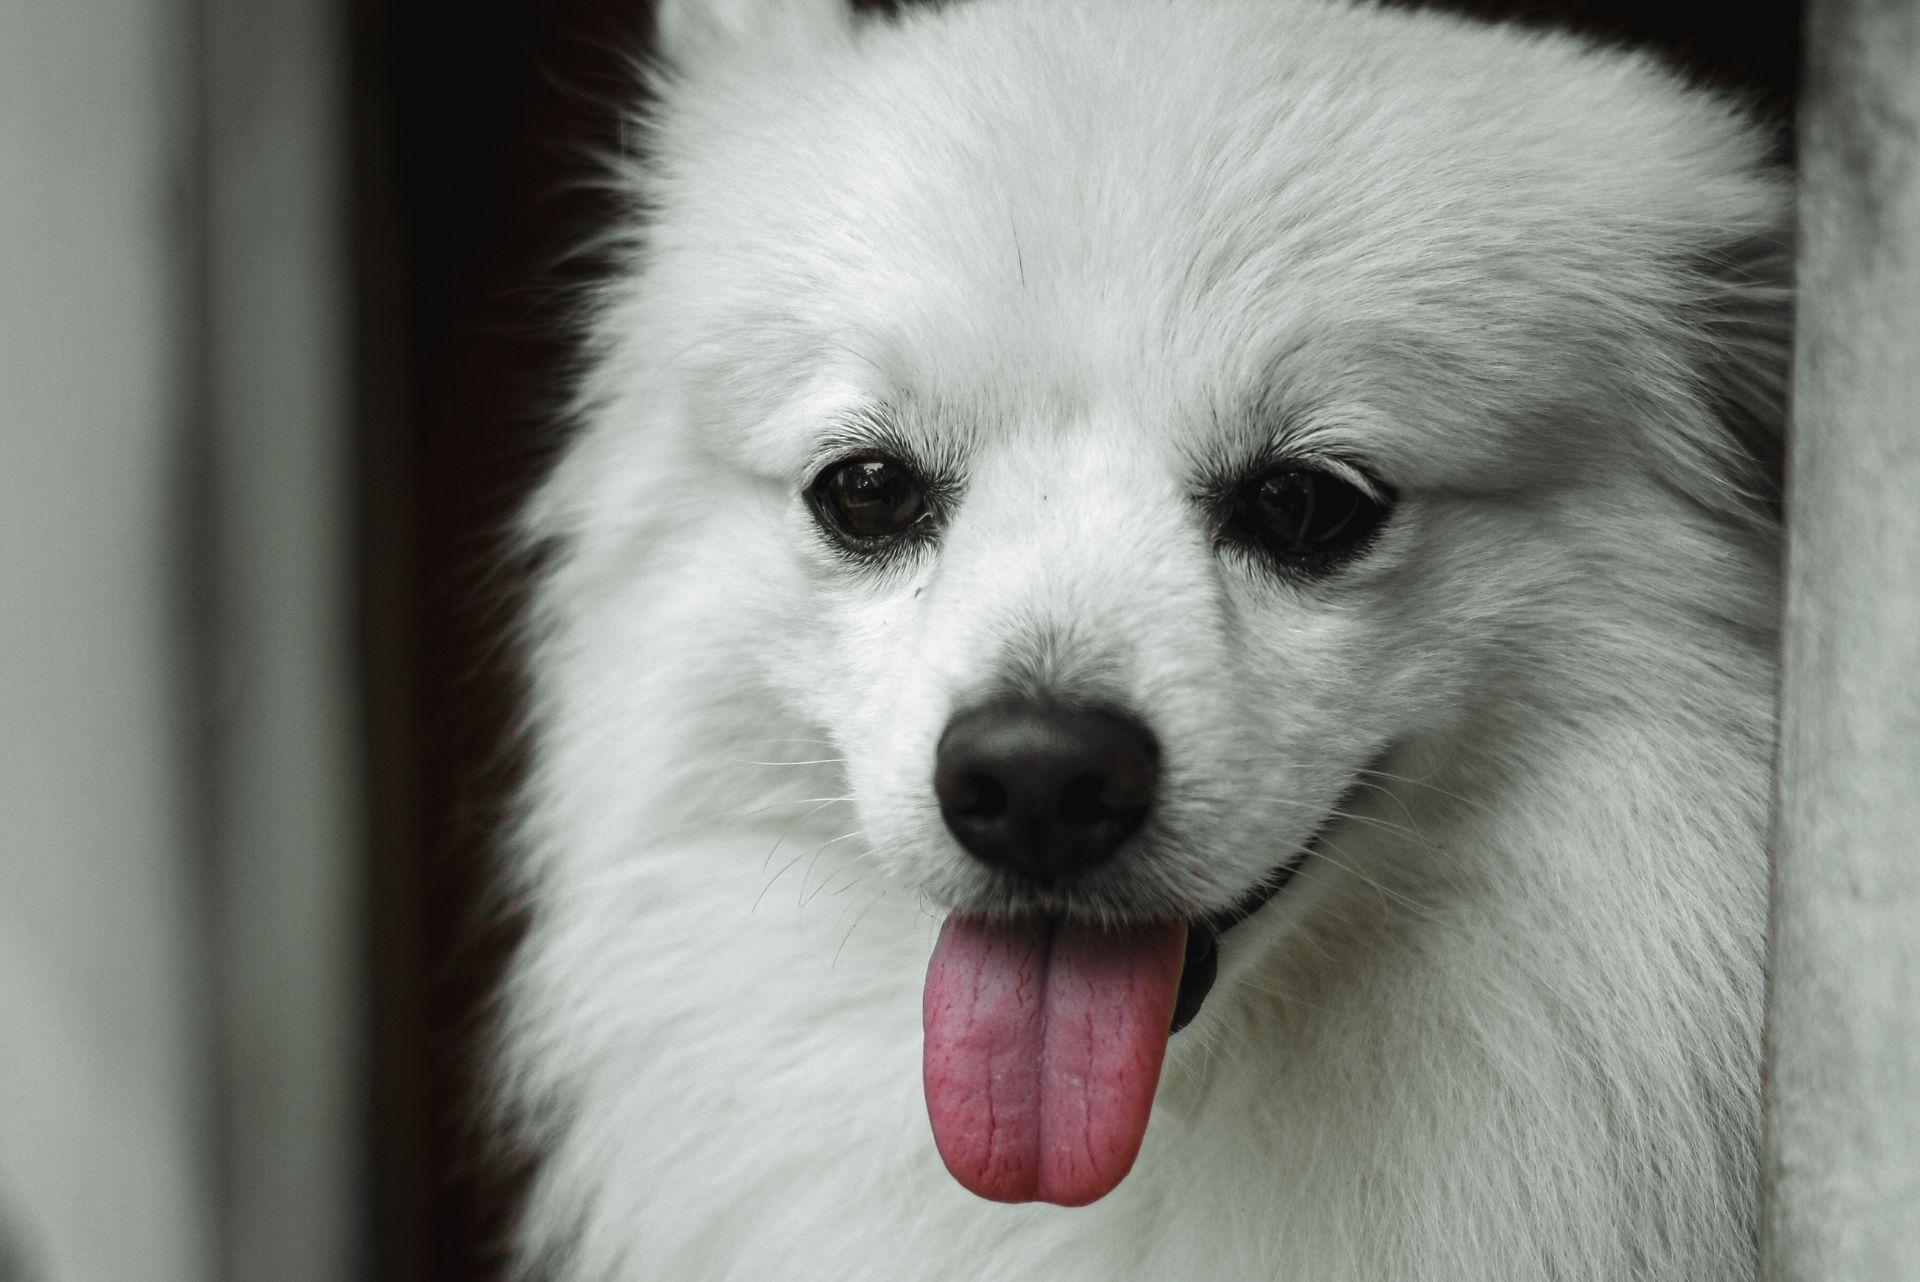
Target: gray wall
{"x":180,"y":988}
{"x":105,"y":1169}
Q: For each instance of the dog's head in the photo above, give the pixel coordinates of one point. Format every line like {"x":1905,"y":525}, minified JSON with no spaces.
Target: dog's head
{"x":1143,"y":421}
{"x":1137,"y":435}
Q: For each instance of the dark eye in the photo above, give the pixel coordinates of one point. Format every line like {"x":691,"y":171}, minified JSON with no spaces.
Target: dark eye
{"x":1308,"y":519}
{"x":868,"y":498}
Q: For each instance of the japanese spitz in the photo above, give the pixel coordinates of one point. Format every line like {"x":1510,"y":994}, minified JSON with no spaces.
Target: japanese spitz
{"x":1161,"y":610}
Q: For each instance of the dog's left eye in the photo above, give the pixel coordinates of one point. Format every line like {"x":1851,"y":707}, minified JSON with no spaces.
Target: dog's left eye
{"x":868,"y":498}
{"x":1308,"y":519}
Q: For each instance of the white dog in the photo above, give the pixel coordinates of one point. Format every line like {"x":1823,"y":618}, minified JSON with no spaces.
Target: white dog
{"x":1093,"y":516}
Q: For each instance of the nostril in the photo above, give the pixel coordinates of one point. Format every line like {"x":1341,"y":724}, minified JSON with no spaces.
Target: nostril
{"x":1083,"y":801}
{"x":978,"y":796}
{"x":1127,"y":786}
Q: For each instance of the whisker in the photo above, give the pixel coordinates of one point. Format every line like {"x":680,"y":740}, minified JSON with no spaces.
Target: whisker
{"x":1388,"y":825}
{"x":789,"y":832}
{"x":771,"y":805}
{"x":1391,"y":795}
{"x":1280,"y":993}
{"x":808,"y":875}
{"x":815,"y":761}
{"x":856,"y":925}
{"x":859,"y":875}
{"x":776,"y":877}
{"x":1422,"y":783}
{"x":848,"y":907}
{"x":1346,"y":865}
{"x":698,"y":748}
{"x":730,"y":816}
{"x":1312,"y":939}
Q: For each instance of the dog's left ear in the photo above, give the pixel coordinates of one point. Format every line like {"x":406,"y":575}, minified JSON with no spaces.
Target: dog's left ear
{"x":691,"y":35}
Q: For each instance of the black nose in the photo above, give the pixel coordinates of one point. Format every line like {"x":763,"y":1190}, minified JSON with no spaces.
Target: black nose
{"x":1041,"y":788}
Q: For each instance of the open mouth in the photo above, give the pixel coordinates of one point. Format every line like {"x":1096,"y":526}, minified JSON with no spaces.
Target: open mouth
{"x":1201,"y":964}
{"x":1044,"y":1037}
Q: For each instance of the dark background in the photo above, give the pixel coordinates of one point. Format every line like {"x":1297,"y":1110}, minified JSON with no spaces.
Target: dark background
{"x":475,"y":128}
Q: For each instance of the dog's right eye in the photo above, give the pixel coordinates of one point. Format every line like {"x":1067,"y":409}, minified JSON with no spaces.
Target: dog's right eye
{"x":868,"y":498}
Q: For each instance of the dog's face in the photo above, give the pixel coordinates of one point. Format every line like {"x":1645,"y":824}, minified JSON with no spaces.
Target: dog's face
{"x":1132,"y":453}
{"x":1210,"y":396}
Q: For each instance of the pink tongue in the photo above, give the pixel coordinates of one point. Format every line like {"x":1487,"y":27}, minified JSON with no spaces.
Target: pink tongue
{"x":1043,"y":1047}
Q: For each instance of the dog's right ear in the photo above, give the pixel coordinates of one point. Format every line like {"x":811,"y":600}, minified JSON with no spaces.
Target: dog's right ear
{"x":691,"y":35}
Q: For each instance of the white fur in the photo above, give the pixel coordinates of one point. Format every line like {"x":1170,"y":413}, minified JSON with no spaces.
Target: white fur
{"x":1507,"y":1025}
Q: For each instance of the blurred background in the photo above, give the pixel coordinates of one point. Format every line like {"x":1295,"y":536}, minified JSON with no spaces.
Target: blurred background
{"x":284,"y":322}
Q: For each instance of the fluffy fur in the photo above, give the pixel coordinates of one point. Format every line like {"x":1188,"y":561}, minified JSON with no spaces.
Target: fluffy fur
{"x":1083,"y":253}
